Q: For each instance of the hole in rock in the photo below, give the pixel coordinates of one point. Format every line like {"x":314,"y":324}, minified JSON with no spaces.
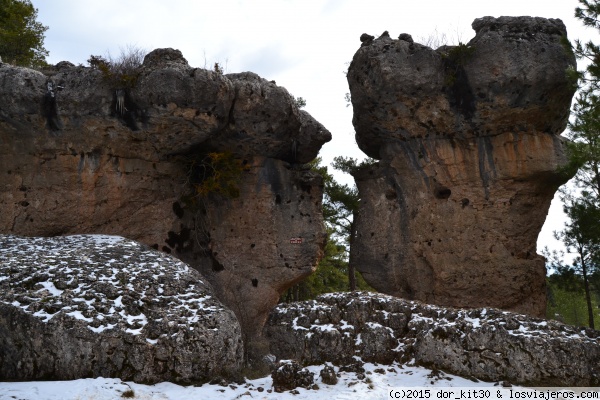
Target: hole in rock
{"x":178,"y":210}
{"x":442,"y":193}
{"x":391,"y":194}
{"x":217,"y":266}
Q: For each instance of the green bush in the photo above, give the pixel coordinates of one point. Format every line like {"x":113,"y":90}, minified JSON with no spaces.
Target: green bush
{"x":123,"y":71}
{"x":218,"y":173}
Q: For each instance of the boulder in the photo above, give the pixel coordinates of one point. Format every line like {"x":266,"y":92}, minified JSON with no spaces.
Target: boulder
{"x":94,"y":305}
{"x":289,"y":375}
{"x":90,"y":150}
{"x":328,"y":375}
{"x":468,"y":142}
{"x":484,"y":343}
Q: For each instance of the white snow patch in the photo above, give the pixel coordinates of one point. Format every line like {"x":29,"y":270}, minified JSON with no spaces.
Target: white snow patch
{"x":134,"y":331}
{"x":118,"y":302}
{"x":358,"y":340}
{"x":101,"y":328}
{"x":78,"y":315}
{"x":345,"y":325}
{"x":324,"y":328}
{"x":43,"y":315}
{"x":295,"y":325}
{"x":476,"y":322}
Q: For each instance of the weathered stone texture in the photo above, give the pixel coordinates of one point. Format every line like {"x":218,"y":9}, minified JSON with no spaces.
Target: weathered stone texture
{"x":84,"y":155}
{"x":88,"y":306}
{"x":468,"y":141}
{"x":289,"y":375}
{"x":487,"y":344}
{"x":252,"y":254}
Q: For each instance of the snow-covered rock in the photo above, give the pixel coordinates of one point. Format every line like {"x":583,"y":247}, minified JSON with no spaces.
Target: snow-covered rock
{"x":486,"y":344}
{"x":289,"y":375}
{"x":93,"y":305}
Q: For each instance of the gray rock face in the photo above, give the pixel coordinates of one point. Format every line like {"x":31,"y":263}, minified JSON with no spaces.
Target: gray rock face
{"x":468,"y":141}
{"x":264,"y":120}
{"x":509,"y":78}
{"x":486,"y":344}
{"x":89,"y":306}
{"x":85,"y":155}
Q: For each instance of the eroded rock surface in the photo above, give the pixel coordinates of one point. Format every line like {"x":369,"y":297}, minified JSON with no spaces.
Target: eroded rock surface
{"x":94,"y":305}
{"x":289,"y":375}
{"x":485,"y":343}
{"x":81,"y":154}
{"x":468,"y":141}
{"x":259,"y":243}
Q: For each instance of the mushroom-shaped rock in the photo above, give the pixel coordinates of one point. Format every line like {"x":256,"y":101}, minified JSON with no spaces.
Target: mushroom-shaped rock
{"x":468,"y":141}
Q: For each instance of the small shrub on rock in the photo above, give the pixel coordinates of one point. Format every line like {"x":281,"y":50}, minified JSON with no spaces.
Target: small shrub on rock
{"x":122,"y":71}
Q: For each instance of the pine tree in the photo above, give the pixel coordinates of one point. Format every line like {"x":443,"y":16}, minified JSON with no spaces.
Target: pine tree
{"x":344,"y":202}
{"x":581,"y":237}
{"x":335,"y":272}
{"x":21,"y":36}
{"x":582,"y":233}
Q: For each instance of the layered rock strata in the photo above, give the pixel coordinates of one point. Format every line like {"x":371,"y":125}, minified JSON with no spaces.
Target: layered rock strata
{"x":484,"y":343}
{"x":94,"y":150}
{"x":468,"y":138}
{"x":102,"y":306}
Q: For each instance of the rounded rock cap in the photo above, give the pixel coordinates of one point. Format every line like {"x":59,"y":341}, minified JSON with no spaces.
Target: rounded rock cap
{"x":164,"y":57}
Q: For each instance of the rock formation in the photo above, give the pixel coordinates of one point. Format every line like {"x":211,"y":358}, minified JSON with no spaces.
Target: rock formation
{"x":92,"y":150}
{"x":289,"y":375}
{"x":484,"y":343}
{"x":88,"y":306}
{"x":468,"y":138}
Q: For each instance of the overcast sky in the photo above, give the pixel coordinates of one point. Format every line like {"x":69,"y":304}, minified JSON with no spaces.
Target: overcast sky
{"x":304,"y":45}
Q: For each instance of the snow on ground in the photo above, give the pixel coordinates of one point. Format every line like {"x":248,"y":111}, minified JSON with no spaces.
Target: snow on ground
{"x":378,"y":381}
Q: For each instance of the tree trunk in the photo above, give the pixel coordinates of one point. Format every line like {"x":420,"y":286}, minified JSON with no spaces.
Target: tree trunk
{"x":588,"y":297}
{"x":596,"y":176}
{"x":351,"y":273}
